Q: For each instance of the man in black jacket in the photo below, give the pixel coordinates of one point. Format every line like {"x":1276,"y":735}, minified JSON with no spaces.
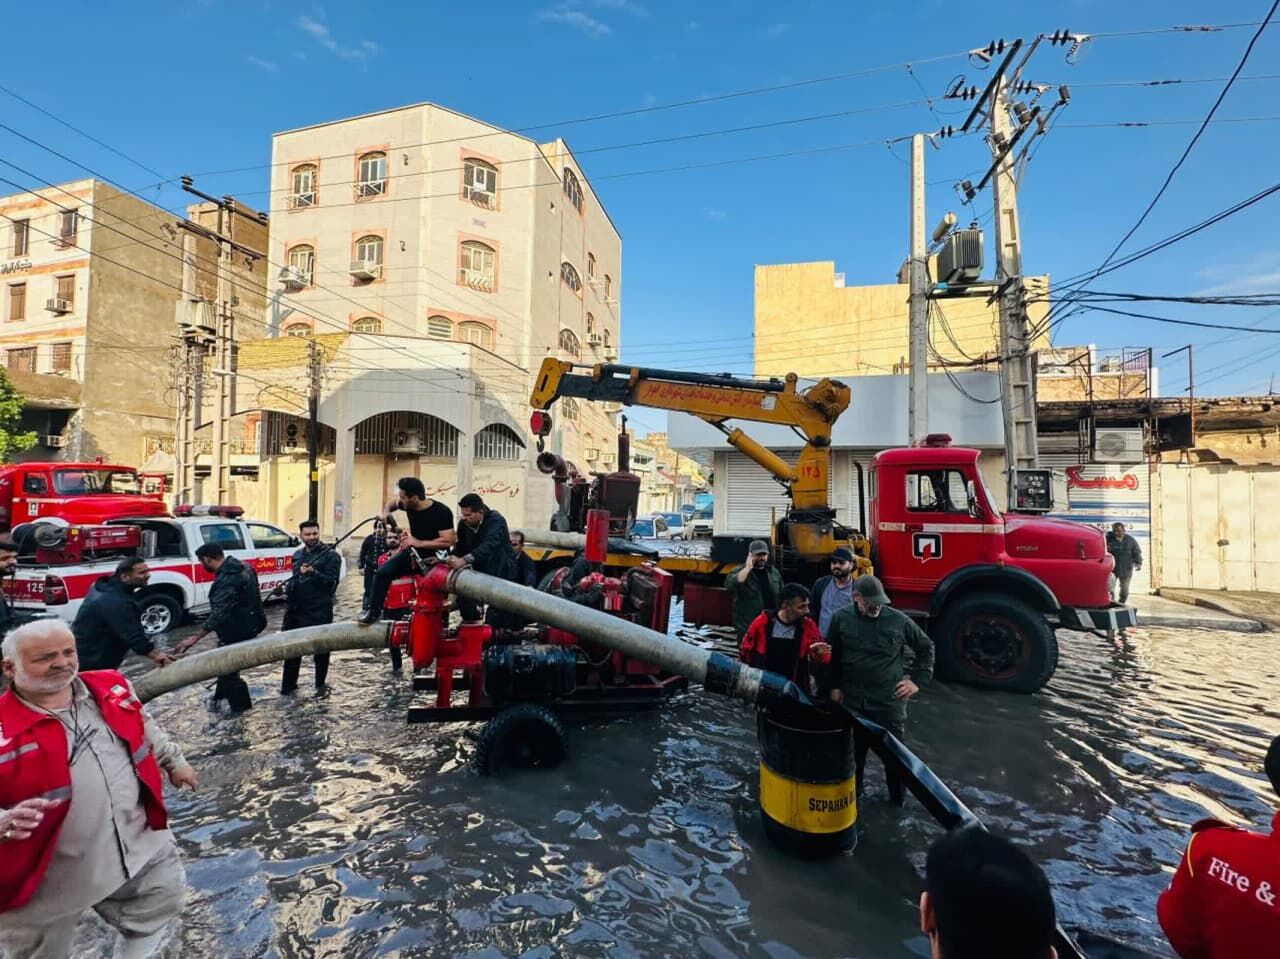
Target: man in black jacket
{"x":8,"y":564}
{"x":484,"y":544}
{"x":107,"y":625}
{"x":235,"y":614}
{"x":526,"y":573}
{"x":832,"y":593}
{"x":317,"y":568}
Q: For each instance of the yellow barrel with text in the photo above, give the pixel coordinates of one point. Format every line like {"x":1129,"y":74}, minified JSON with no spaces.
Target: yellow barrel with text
{"x":808,"y":790}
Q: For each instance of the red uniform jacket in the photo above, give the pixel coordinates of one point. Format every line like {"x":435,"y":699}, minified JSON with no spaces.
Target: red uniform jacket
{"x":755,"y":644}
{"x":1222,"y":903}
{"x":34,"y":763}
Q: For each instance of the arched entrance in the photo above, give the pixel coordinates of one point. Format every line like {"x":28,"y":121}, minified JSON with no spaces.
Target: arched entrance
{"x":400,"y":443}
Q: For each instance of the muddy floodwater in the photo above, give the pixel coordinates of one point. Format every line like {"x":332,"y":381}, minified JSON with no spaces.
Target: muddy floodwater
{"x":325,"y":826}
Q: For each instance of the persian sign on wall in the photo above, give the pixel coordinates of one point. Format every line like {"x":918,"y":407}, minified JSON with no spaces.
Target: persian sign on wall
{"x":1100,"y":494}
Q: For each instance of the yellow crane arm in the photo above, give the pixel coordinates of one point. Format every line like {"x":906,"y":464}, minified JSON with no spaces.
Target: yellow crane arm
{"x":717,"y":399}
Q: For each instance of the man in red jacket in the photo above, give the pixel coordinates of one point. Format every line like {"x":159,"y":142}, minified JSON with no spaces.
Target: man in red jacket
{"x":783,"y":640}
{"x":82,"y":817}
{"x":1222,"y":902}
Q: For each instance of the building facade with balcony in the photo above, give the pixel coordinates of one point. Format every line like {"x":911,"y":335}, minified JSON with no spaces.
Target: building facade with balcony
{"x":453,"y":257}
{"x":89,"y":277}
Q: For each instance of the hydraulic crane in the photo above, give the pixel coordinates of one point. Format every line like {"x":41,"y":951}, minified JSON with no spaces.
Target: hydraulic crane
{"x":809,"y":532}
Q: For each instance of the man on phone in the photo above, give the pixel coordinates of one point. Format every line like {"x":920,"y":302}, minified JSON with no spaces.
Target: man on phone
{"x":430,"y":529}
{"x":317,"y":568}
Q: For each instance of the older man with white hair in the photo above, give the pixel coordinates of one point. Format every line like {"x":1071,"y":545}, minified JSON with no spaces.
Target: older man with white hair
{"x":83,"y":822}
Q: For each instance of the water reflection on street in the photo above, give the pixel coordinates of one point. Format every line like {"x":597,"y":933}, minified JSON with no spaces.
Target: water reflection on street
{"x":327,"y":827}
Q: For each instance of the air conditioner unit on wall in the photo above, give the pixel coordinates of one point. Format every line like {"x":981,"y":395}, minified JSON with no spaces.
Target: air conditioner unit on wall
{"x":366,"y":269}
{"x":55,"y":441}
{"x":1118,"y":446}
{"x":406,"y":441}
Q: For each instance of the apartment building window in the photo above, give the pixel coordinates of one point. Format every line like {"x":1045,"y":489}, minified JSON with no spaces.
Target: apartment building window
{"x":479,"y":261}
{"x":569,"y":343}
{"x":17,"y":302}
{"x":373,"y":175}
{"x":606,"y":339}
{"x":569,"y":408}
{"x":477,"y":334}
{"x":498,"y":442}
{"x":64,"y":295}
{"x":60,"y":357}
{"x":68,"y":226}
{"x":479,"y":182}
{"x":591,"y":266}
{"x":573,"y":189}
{"x":21,"y":237}
{"x":439,"y":327}
{"x":304,"y":186}
{"x":591,"y":324}
{"x":367,"y":324}
{"x":369,"y":250}
{"x":22,"y":361}
{"x":570,"y":277}
{"x":608,"y":287}
{"x":298,"y":329}
{"x":303,"y":260}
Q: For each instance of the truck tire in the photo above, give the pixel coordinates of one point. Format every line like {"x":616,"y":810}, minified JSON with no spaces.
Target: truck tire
{"x":522,"y":736}
{"x":995,"y":641}
{"x":159,"y":613}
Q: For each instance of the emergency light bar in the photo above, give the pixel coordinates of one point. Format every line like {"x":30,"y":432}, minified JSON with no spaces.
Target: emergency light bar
{"x":204,"y":509}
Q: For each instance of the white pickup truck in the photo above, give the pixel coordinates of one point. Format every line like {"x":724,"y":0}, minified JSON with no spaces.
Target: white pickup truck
{"x":179,"y":585}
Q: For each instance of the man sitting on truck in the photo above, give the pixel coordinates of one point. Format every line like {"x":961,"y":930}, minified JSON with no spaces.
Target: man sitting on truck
{"x":107,"y":626}
{"x":870,"y":644}
{"x":430,"y":528}
{"x":755,"y":586}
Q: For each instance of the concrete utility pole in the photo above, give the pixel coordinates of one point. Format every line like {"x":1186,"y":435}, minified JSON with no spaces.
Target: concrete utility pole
{"x":1017,"y":386}
{"x":314,"y":373}
{"x":225,"y":331}
{"x":195,"y":340}
{"x":918,"y":408}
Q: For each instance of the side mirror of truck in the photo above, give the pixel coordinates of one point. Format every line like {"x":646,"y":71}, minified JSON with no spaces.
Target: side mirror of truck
{"x":975,"y":511}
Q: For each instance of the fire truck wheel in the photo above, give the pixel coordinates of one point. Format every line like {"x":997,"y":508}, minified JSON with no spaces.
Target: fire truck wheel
{"x":159,"y":613}
{"x":522,"y":736}
{"x":995,"y":641}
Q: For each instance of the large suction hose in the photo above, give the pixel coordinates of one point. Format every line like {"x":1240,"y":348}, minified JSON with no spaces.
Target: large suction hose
{"x":258,"y":652}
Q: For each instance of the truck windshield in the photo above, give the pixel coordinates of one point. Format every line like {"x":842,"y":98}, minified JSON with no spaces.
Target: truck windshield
{"x":81,"y":482}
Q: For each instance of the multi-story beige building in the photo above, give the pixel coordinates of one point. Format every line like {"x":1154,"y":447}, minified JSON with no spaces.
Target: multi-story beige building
{"x":809,"y":322}
{"x":90,"y":277}
{"x":454,"y":256}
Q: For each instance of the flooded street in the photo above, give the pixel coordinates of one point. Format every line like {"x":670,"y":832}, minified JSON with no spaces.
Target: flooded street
{"x":325,"y":826}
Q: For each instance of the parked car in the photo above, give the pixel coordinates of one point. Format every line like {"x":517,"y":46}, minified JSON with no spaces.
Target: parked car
{"x":650,"y":527}
{"x":676,"y":525}
{"x":700,"y":524}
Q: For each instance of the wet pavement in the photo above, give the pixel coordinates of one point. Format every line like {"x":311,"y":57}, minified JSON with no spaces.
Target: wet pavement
{"x":324,"y":826}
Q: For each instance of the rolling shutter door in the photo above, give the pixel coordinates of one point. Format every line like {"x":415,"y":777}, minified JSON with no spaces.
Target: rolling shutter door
{"x":754,"y":497}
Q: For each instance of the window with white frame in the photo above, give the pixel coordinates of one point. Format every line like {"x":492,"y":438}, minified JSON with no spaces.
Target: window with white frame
{"x":570,"y":277}
{"x":298,"y":329}
{"x":68,"y":226}
{"x":498,"y":442}
{"x":439,"y":327}
{"x":479,"y":181}
{"x":303,"y":187}
{"x":569,"y":343}
{"x":478,"y":265}
{"x":477,"y":334}
{"x":591,"y":266}
{"x":369,"y":250}
{"x":373,"y":175}
{"x":367,"y":324}
{"x":573,"y":189}
{"x":608,"y":287}
{"x":302,"y":259}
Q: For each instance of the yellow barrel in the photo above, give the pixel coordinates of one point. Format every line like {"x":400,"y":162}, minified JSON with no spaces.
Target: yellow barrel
{"x":808,"y":792}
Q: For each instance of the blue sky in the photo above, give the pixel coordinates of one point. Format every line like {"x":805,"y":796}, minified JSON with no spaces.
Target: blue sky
{"x":202,"y":88}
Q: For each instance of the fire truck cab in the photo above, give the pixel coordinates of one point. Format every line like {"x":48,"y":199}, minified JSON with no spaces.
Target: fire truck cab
{"x":78,"y":493}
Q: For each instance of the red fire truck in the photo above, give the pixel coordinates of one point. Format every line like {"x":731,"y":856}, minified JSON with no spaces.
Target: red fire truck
{"x":79,"y":493}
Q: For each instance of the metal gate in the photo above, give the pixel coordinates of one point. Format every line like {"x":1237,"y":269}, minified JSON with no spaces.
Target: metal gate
{"x":1218,"y":526}
{"x":752,"y":497}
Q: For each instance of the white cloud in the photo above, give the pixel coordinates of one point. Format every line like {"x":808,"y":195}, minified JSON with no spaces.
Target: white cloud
{"x":1258,"y":274}
{"x":692,"y":25}
{"x":269,"y":65}
{"x":649,"y":100}
{"x":319,"y":31}
{"x":626,"y":6}
{"x":717,"y":215}
{"x":571,"y":17}
{"x":775,"y":30}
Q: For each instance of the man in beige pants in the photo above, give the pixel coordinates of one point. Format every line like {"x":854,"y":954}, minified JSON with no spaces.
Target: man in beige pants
{"x":83,"y":823}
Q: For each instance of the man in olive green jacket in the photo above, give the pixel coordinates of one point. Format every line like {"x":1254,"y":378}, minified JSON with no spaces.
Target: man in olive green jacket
{"x":871,"y":672}
{"x":755,"y":586}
